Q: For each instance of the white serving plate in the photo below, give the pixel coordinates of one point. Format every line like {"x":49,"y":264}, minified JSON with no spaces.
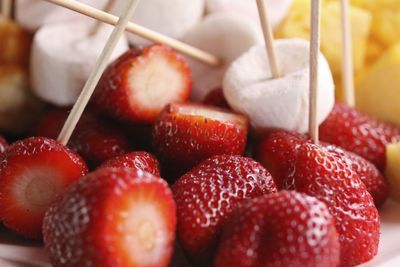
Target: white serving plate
{"x":13,"y":248}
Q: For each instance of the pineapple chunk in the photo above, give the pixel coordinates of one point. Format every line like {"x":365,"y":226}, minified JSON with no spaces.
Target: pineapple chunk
{"x":297,"y":24}
{"x":379,"y":91}
{"x":386,"y":21}
{"x":392,"y":172}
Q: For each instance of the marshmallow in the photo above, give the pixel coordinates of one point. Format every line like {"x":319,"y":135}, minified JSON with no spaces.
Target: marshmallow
{"x":63,"y":55}
{"x":277,"y":9}
{"x":225,"y":36}
{"x":32,"y":14}
{"x":281,"y":103}
{"x":170,"y":17}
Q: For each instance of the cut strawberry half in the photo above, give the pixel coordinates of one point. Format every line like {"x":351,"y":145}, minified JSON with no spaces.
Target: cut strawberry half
{"x":185,"y":134}
{"x":3,"y":145}
{"x":96,"y":139}
{"x":112,"y":217}
{"x":135,"y":160}
{"x":33,"y":173}
{"x":282,"y":229}
{"x":138,"y":85}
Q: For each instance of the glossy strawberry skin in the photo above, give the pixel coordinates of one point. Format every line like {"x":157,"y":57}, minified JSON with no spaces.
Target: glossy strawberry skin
{"x":216,"y":98}
{"x":277,"y":152}
{"x":282,"y":229}
{"x":19,"y":213}
{"x":206,"y":196}
{"x":96,"y":139}
{"x":182,"y":141}
{"x":359,"y":133}
{"x":89,"y":225}
{"x":3,"y":145}
{"x":374,"y":181}
{"x":114,"y":94}
{"x":321,"y":174}
{"x":135,"y":160}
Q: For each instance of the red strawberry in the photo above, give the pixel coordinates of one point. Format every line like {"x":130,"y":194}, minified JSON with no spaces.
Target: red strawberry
{"x":112,"y":217}
{"x":323,"y":175}
{"x":277,"y":152}
{"x":375,"y":182}
{"x":3,"y":145}
{"x":33,"y":173}
{"x":95,"y":138}
{"x":186,"y":134}
{"x":136,"y":160}
{"x":206,"y":196}
{"x":359,"y":133}
{"x":138,"y":85}
{"x":282,"y":229}
{"x":216,"y":98}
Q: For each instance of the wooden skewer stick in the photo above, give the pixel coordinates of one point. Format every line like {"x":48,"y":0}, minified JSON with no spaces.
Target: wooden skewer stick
{"x":143,"y":32}
{"x":347,"y":56}
{"x":6,"y":8}
{"x":269,"y":39}
{"x":314,"y":60}
{"x":97,"y":25}
{"x":95,"y":76}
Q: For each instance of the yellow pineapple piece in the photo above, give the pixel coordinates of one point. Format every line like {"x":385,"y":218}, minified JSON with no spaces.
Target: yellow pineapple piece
{"x":392,"y":172}
{"x":386,"y":21}
{"x":379,"y":91}
{"x":297,"y":24}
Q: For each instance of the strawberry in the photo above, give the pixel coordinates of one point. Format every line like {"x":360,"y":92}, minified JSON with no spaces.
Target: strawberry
{"x":277,"y":152}
{"x":112,"y":217}
{"x":206,"y":196}
{"x":186,"y":134}
{"x":136,"y":160}
{"x":95,"y":138}
{"x":374,"y":181}
{"x":216,"y":98}
{"x":139,"y":84}
{"x":3,"y":145}
{"x":359,"y":133}
{"x":33,"y":173}
{"x":317,"y":172}
{"x":282,"y":229}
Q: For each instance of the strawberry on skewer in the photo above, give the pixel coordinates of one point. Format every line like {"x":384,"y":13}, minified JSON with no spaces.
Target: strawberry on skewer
{"x":95,"y":139}
{"x":185,"y":134}
{"x":262,"y":232}
{"x":207,"y":195}
{"x":33,"y":173}
{"x":135,"y":160}
{"x":138,"y":85}
{"x":112,"y":217}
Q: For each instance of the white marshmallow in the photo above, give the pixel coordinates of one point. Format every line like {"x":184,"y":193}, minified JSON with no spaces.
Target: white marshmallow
{"x":170,"y":17}
{"x":277,"y":9}
{"x":225,"y":36}
{"x":63,"y":57}
{"x":278,"y":103}
{"x":32,"y":14}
